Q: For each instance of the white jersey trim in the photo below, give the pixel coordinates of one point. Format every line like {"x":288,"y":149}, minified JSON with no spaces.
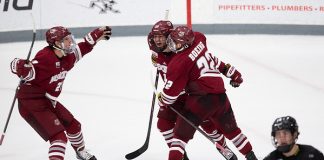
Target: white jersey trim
{"x":218,"y":62}
{"x":31,"y":73}
{"x":177,"y":149}
{"x":50,"y":97}
{"x":168,"y":99}
{"x":210,"y":75}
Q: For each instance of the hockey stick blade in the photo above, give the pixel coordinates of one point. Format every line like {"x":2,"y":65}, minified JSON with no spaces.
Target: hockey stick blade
{"x":142,"y":149}
{"x":138,"y":152}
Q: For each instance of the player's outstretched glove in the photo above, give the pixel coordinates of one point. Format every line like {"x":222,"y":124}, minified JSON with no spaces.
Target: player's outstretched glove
{"x":21,"y":68}
{"x":236,"y":77}
{"x":237,"y":81}
{"x":98,"y":34}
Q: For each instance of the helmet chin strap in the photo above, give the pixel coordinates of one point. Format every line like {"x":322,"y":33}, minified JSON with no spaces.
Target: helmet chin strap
{"x":285,"y":148}
{"x":60,"y":49}
{"x":68,"y":50}
{"x":65,"y":51}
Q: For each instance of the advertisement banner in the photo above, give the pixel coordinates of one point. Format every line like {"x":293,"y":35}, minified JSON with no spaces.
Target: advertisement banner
{"x":15,"y":14}
{"x":296,"y":12}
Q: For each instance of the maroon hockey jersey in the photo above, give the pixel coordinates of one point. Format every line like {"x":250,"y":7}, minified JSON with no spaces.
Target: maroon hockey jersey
{"x":194,"y":69}
{"x":48,"y":71}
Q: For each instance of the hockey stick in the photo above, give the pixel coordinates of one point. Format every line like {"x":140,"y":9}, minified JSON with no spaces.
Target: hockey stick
{"x":142,"y":149}
{"x":21,"y":81}
{"x":220,"y":147}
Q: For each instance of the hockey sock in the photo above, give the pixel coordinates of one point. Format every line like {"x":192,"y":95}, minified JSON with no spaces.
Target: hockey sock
{"x":241,"y":142}
{"x":166,"y":128}
{"x":217,"y":138}
{"x":213,"y":133}
{"x":168,"y":135}
{"x":77,"y":141}
{"x":74,"y":134}
{"x":177,"y":149}
{"x":57,"y":147}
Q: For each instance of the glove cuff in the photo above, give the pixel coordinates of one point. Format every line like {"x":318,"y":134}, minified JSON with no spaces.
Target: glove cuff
{"x":13,"y":65}
{"x":230,"y":72}
{"x":88,"y":38}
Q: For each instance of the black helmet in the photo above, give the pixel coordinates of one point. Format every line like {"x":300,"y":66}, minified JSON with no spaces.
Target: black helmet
{"x":284,"y":123}
{"x":287,"y":122}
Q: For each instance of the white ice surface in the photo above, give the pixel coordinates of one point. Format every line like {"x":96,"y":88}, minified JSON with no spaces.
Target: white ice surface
{"x":110,"y":93}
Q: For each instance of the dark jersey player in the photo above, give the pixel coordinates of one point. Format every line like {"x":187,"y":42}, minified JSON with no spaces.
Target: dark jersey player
{"x":284,"y":136}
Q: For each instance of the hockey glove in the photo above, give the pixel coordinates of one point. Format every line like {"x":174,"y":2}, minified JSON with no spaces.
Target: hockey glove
{"x":236,"y":82}
{"x":160,"y":101}
{"x":236,"y":77}
{"x":154,"y":58}
{"x":22,"y":69}
{"x":98,"y":34}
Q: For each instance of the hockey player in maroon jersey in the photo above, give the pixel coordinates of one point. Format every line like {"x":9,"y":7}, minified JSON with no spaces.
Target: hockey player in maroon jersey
{"x":43,"y":79}
{"x":198,"y":71}
{"x":161,"y":56}
{"x":284,"y":135}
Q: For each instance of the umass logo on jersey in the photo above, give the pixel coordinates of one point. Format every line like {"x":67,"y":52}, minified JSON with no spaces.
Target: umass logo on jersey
{"x":59,"y":76}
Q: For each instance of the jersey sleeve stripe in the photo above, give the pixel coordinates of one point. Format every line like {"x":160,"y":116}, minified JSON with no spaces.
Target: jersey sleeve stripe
{"x":168,"y":99}
{"x":218,"y":63}
{"x":31,"y":74}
